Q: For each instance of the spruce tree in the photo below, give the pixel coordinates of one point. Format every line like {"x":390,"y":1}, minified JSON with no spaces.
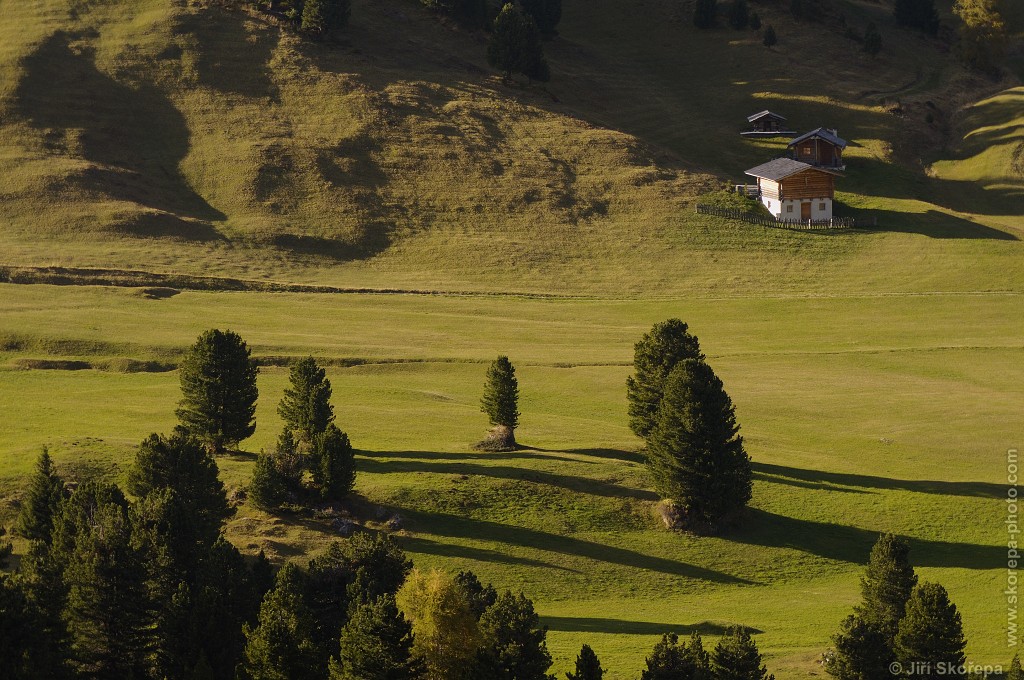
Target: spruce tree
{"x":861,"y":652}
{"x":333,"y":464}
{"x":41,"y":578}
{"x":515,"y":45}
{"x":280,"y":647}
{"x":695,"y":454}
{"x":931,"y":635}
{"x":42,"y":503}
{"x":513,"y":642}
{"x":376,"y":643}
{"x":267,"y":486}
{"x":770,"y":40}
{"x":218,"y":387}
{"x":480,"y":597}
{"x":588,"y":667}
{"x":670,"y":660}
{"x":501,"y":402}
{"x":654,"y":356}
{"x":886,"y":585}
{"x":736,"y":658}
{"x":24,"y":647}
{"x":306,"y":406}
{"x":705,"y":13}
{"x":739,"y":14}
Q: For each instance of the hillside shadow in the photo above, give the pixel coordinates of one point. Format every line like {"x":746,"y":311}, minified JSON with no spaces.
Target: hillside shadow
{"x":520,"y":454}
{"x":233,"y":54}
{"x":425,"y":546}
{"x":574,"y":624}
{"x":827,"y":480}
{"x":453,"y":526}
{"x":931,"y":223}
{"x":851,"y":544}
{"x":569,"y":482}
{"x":134,"y":137}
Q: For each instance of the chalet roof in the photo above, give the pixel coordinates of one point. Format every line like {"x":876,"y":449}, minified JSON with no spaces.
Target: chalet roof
{"x":764,"y":114}
{"x":779,"y":169}
{"x":826,"y":134}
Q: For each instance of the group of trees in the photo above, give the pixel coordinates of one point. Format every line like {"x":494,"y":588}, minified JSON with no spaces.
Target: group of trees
{"x":735,"y":657}
{"x":680,"y":408}
{"x":318,"y":18}
{"x":515,"y":45}
{"x":983,"y":35}
{"x":739,"y":16}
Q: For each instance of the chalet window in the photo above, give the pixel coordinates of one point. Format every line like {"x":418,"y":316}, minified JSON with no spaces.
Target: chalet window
{"x":821,"y":206}
{"x":789,"y":208}
{"x":769,"y":204}
{"x":807,"y":150}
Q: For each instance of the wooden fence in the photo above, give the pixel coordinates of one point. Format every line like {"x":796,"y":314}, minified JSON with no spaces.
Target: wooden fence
{"x":807,"y":225}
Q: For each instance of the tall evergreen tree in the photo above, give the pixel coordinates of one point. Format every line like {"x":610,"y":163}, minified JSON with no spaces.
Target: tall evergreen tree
{"x":654,"y":356}
{"x":515,"y":46}
{"x":446,"y":634}
{"x":501,"y":400}
{"x":588,"y":667}
{"x":770,"y":39}
{"x":218,"y":388}
{"x":695,"y":453}
{"x":41,"y":578}
{"x":861,"y":651}
{"x":931,"y":635}
{"x":514,"y":644}
{"x":919,"y":14}
{"x":24,"y":648}
{"x":736,"y":658}
{"x":42,"y":503}
{"x":705,"y":13}
{"x":376,"y":644}
{"x":281,"y":646}
{"x":333,"y":464}
{"x":886,"y":585}
{"x":670,"y":660}
{"x":306,"y":406}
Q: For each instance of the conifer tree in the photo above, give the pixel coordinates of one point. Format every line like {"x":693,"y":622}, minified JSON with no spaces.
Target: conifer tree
{"x":1015,"y":672}
{"x":886,"y":585}
{"x":654,"y":356}
{"x":42,"y":503}
{"x":515,"y":46}
{"x":736,"y":658}
{"x":705,"y":13}
{"x":480,"y":597}
{"x":377,"y":643}
{"x":267,"y":486}
{"x":501,"y":402}
{"x":333,"y":464}
{"x":770,"y":40}
{"x":40,"y":577}
{"x":306,"y":406}
{"x":218,"y":387}
{"x":446,"y":634}
{"x":281,"y":646}
{"x":23,"y":645}
{"x":513,"y":642}
{"x":931,"y":634}
{"x":588,"y":667}
{"x":695,"y":453}
{"x":670,"y":660}
{"x":861,"y":652}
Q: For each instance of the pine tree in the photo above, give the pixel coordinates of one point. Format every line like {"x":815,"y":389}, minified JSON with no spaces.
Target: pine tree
{"x":333,"y":464}
{"x":515,"y":46}
{"x":180,"y":463}
{"x":446,"y":634}
{"x":376,"y":644}
{"x":306,"y":406}
{"x":886,"y":585}
{"x":24,"y":647}
{"x":654,"y":356}
{"x":695,"y":453}
{"x":40,"y":577}
{"x":480,"y":597}
{"x":281,"y":647}
{"x":736,"y":658}
{"x":514,"y":644}
{"x":770,"y":39}
{"x":861,"y":652}
{"x":919,"y":14}
{"x":739,"y":14}
{"x":588,"y":667}
{"x":42,"y":503}
{"x":267,"y":486}
{"x":218,"y":387}
{"x":670,"y":660}
{"x":501,"y":399}
{"x":931,"y":634}
{"x":872,"y":40}
{"x":705,"y":13}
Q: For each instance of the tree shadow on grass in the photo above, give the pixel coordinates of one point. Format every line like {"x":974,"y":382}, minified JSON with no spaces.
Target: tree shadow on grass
{"x":573,"y":624}
{"x":577,"y":484}
{"x":816,"y":479}
{"x":422,"y":545}
{"x":853,"y":544}
{"x":452,"y":526}
{"x":521,"y":454}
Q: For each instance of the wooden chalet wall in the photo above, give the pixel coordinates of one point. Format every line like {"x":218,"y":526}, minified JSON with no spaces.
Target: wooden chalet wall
{"x":807,"y":184}
{"x":818,"y":152}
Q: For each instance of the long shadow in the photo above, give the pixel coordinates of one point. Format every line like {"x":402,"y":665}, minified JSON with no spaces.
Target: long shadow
{"x":440,"y":524}
{"x":578,"y":484}
{"x":819,"y":479}
{"x":525,"y":453}
{"x":426,"y":546}
{"x":232,"y":57}
{"x":611,"y":454}
{"x":852,"y":544}
{"x":573,"y":624}
{"x":134,"y":137}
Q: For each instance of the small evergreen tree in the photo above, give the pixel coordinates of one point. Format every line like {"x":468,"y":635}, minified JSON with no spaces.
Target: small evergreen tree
{"x":377,"y":643}
{"x":695,"y":453}
{"x":479,"y":596}
{"x":654,"y":356}
{"x":333,"y":464}
{"x":886,"y":585}
{"x":446,"y":633}
{"x":588,"y":667}
{"x":42,"y":503}
{"x":739,"y":14}
{"x":920,"y":14}
{"x":736,"y":658}
{"x":306,"y":406}
{"x":513,"y":642}
{"x":218,"y":387}
{"x":872,"y":40}
{"x":705,"y":13}
{"x":280,"y":647}
{"x":267,"y":487}
{"x":931,"y":634}
{"x":670,"y":660}
{"x":755,"y":21}
{"x":501,"y":400}
{"x":515,"y":46}
{"x":861,"y":652}
{"x":770,"y":40}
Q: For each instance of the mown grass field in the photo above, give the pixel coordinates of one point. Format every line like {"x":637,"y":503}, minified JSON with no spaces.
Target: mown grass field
{"x":862,"y":414}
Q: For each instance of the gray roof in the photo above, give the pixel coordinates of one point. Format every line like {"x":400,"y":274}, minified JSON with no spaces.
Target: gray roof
{"x":762,"y":114}
{"x":778,"y":169}
{"x":824,"y":133}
